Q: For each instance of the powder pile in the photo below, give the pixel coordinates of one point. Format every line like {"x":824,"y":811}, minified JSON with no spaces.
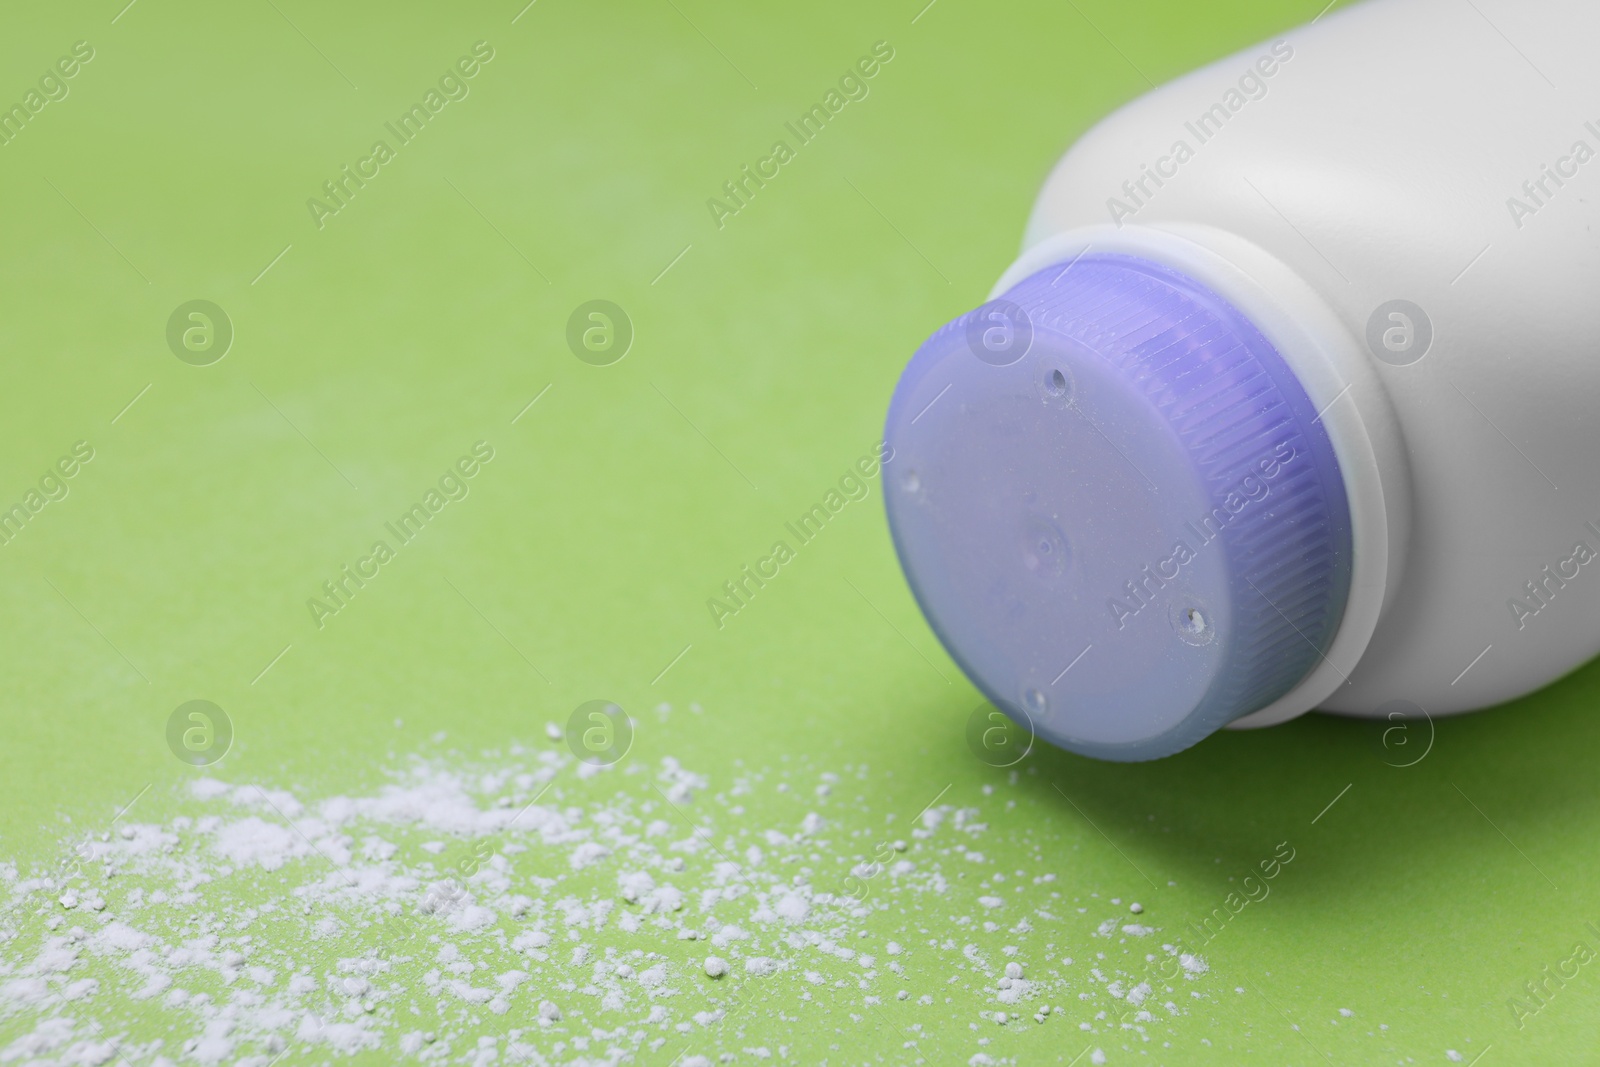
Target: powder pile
{"x":522,"y":907}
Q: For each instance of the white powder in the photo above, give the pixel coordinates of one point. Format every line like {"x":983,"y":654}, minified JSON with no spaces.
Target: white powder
{"x":511,"y":908}
{"x":793,"y":907}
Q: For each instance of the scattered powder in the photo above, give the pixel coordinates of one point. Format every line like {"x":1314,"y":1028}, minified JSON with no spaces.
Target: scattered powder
{"x":793,"y":907}
{"x":528,"y":908}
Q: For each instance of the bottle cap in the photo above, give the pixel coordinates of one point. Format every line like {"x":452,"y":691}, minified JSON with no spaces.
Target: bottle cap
{"x":1117,"y":507}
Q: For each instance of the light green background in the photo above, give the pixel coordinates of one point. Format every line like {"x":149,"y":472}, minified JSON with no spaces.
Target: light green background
{"x":431,"y":310}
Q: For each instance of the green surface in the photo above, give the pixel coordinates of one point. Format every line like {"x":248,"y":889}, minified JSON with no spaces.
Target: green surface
{"x":431,"y":309}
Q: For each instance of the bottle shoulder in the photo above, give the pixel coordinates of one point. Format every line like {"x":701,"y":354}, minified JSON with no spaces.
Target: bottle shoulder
{"x":1395,"y":139}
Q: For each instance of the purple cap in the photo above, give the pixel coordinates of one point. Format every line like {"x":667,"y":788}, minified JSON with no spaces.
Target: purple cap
{"x":1117,"y":507}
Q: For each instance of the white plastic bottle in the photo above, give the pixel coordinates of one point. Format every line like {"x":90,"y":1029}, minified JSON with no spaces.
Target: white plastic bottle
{"x":1290,"y":400}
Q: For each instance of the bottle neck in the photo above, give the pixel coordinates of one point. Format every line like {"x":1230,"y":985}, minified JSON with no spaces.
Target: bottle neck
{"x":1338,"y":377}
